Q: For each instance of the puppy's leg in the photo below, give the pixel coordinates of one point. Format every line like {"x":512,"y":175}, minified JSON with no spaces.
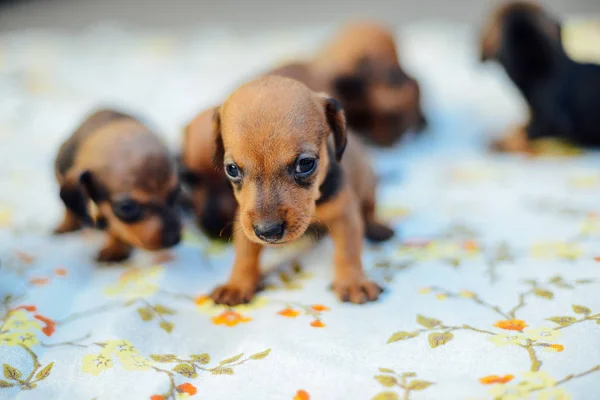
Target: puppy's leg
{"x":375,"y":231}
{"x":245,"y":276}
{"x":350,"y":282}
{"x":70,"y":223}
{"x":114,"y":250}
{"x":515,"y":141}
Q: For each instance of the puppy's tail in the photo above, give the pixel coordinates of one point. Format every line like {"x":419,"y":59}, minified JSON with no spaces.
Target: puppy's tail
{"x":377,"y":232}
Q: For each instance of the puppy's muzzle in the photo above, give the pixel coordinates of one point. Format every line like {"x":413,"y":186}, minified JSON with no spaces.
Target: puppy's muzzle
{"x":269,"y":231}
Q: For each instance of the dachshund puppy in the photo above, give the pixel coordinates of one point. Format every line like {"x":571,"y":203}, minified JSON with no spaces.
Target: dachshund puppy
{"x":116,"y":175}
{"x":563,"y":95}
{"x":360,"y":68}
{"x":211,"y":195}
{"x":281,"y":146}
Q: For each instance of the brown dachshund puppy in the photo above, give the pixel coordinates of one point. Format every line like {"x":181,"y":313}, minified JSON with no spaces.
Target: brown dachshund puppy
{"x":210,"y":192}
{"x":117,"y":175}
{"x":281,"y":146}
{"x":360,"y":68}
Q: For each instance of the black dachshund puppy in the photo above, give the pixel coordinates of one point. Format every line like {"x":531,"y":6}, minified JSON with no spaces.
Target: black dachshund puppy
{"x":563,"y":95}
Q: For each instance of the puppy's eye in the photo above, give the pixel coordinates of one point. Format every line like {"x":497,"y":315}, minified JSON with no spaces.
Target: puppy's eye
{"x":127,"y":210}
{"x":305,"y":166}
{"x":233,"y":172}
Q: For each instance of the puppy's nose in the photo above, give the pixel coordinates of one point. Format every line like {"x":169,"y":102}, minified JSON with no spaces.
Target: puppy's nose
{"x":269,"y":231}
{"x":171,"y":238}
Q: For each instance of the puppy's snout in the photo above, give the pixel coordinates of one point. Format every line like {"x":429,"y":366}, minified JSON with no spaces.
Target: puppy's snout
{"x":269,"y":231}
{"x":171,"y":238}
{"x":171,"y":232}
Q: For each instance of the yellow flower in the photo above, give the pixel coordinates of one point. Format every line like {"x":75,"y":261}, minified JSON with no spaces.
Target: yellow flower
{"x":206,"y":305}
{"x":135,"y":362}
{"x":538,"y":379}
{"x":501,"y":339}
{"x":94,"y":364}
{"x":393,"y":213}
{"x":182,"y":396}
{"x":466,"y":294}
{"x":546,"y":335}
{"x":16,"y":338}
{"x":120,"y":347}
{"x":590,"y":226}
{"x":136,"y":283}
{"x":18,"y":320}
{"x":425,"y":290}
{"x":552,"y":250}
{"x":557,"y":393}
{"x":5,"y":217}
{"x":441,"y":296}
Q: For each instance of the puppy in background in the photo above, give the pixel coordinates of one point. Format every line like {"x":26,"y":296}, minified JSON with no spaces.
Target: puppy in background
{"x":116,"y":175}
{"x":281,"y":146}
{"x":210,"y":192}
{"x":563,"y":95}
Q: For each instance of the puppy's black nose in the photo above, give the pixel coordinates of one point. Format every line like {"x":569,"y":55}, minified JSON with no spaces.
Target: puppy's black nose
{"x":269,"y":231}
{"x":171,"y":238}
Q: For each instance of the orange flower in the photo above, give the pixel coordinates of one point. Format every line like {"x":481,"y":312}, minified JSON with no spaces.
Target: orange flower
{"x":26,"y":258}
{"x":187,"y":388}
{"x":39,"y":281}
{"x":511,"y":324}
{"x":470,"y":245}
{"x":302,"y":395}
{"x":201,"y":299}
{"x":50,"y":327}
{"x":597,"y":259}
{"x":557,"y":347}
{"x":289,"y":312}
{"x":317,"y":324}
{"x":320,"y":308}
{"x":157,"y":397}
{"x":492,"y":379}
{"x":230,"y":318}
{"x":61,"y":272}
{"x":26,"y":308}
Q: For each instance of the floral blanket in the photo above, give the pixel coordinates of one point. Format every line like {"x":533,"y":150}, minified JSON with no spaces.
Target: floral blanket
{"x":492,"y":283}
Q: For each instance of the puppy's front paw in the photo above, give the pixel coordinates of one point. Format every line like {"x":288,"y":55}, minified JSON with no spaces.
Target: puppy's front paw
{"x":110,"y":255}
{"x":377,"y":232}
{"x":232,"y":294}
{"x":357,"y":292}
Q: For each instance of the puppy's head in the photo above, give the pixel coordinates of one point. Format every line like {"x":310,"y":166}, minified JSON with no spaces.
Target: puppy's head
{"x":128,"y":175}
{"x":381,"y":100}
{"x":211,"y":194}
{"x":272,"y":139}
{"x":493,"y":34}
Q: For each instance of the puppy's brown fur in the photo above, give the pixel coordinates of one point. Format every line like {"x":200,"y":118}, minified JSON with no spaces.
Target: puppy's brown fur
{"x":113,"y":164}
{"x":360,"y":68}
{"x":263,"y":130}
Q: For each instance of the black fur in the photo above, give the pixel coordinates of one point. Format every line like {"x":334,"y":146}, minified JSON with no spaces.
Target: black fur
{"x":337,"y":122}
{"x":333,"y":180}
{"x":563,"y":95}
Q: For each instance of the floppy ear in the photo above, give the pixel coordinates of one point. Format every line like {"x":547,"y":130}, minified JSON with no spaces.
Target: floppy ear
{"x":350,"y":87}
{"x":78,"y":188}
{"x":219,"y":149}
{"x":337,"y":123}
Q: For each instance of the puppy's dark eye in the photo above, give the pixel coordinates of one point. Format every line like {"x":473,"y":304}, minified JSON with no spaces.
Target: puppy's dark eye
{"x":127,"y":210}
{"x":305,"y":166}
{"x":233,"y":172}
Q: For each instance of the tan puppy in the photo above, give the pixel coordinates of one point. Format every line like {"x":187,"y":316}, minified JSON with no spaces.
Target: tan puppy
{"x":360,"y":68}
{"x":211,"y":194}
{"x":117,"y":175}
{"x":281,"y":145}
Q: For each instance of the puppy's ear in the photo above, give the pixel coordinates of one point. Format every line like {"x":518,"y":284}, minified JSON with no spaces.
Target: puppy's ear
{"x":78,"y":188}
{"x":350,"y":87}
{"x":337,"y":123}
{"x":219,"y":149}
{"x":490,"y":41}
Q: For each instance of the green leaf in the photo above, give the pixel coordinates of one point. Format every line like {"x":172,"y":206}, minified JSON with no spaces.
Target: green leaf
{"x":201,"y":358}
{"x":44,"y":373}
{"x":598,"y":321}
{"x":562,"y":321}
{"x":167,"y":326}
{"x":428,"y":322}
{"x":409,"y":374}
{"x":185,"y":370}
{"x":4,"y":384}
{"x":296,"y":267}
{"x":581,"y":310}
{"x":284,"y":278}
{"x":146,"y":313}
{"x":386,"y":396}
{"x":222,"y":371}
{"x":28,"y":386}
{"x":162,"y":310}
{"x":419,"y":385}
{"x":543,"y":293}
{"x":163,"y":357}
{"x":402,"y":335}
{"x":231,"y":360}
{"x":584,"y":281}
{"x":439,"y":339}
{"x":11,"y":372}
{"x":386,"y":380}
{"x":387,"y":371}
{"x":261,"y":355}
